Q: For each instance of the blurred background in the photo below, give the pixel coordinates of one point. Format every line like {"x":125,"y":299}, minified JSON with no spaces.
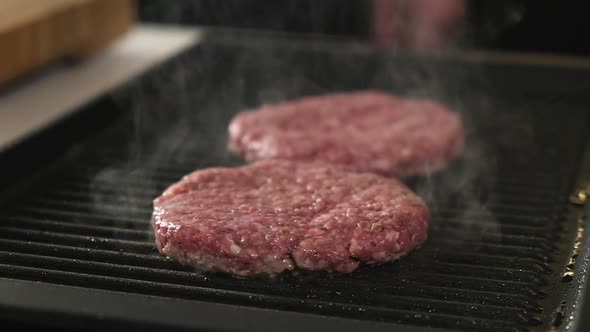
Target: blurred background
{"x":516,"y":25}
{"x":34,"y":33}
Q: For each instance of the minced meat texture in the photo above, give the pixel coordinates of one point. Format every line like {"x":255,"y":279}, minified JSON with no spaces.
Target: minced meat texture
{"x":277,"y":215}
{"x":368,"y":131}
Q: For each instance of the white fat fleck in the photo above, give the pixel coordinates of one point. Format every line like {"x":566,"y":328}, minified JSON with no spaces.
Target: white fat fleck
{"x":235,"y":249}
{"x":392,"y":236}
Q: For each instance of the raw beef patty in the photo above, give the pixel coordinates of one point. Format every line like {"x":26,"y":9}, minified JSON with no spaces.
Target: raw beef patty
{"x":279,"y":215}
{"x":363,"y":131}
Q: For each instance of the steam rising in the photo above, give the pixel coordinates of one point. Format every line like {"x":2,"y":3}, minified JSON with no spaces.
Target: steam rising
{"x":180,"y":118}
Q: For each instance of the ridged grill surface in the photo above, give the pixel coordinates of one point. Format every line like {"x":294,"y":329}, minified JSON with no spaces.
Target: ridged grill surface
{"x":498,"y":217}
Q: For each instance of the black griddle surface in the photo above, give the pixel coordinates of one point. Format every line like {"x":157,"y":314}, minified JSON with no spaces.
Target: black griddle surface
{"x":77,"y":201}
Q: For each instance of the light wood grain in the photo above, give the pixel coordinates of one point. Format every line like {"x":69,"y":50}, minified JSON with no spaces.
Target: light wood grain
{"x":34,"y":33}
{"x":55,"y":93}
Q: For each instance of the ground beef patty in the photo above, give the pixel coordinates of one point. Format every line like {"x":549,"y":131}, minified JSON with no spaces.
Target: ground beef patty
{"x":277,"y":215}
{"x":364,"y":131}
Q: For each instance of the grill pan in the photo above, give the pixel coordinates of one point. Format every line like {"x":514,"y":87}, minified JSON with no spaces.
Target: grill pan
{"x":506,"y":251}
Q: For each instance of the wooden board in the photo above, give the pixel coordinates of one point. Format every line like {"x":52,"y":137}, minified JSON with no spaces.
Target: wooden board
{"x":34,"y":33}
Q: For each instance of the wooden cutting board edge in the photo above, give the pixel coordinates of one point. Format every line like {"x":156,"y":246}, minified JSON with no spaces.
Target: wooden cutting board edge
{"x":57,"y":29}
